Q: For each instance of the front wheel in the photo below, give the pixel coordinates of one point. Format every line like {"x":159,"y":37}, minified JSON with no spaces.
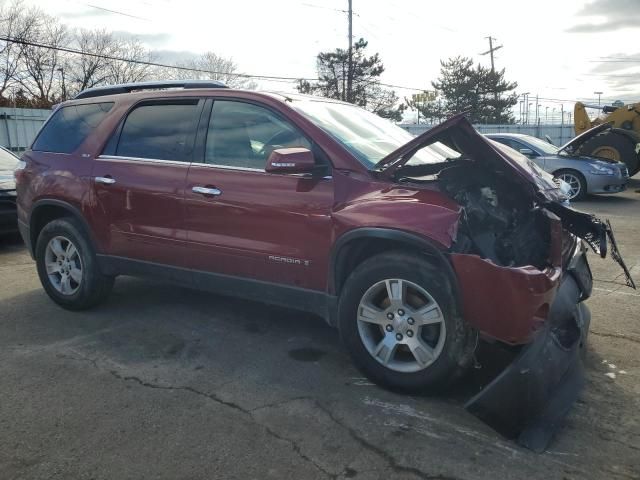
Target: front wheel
{"x":397,"y":318}
{"x":576,"y":181}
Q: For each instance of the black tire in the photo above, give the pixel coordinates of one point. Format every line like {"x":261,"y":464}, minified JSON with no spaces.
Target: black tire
{"x":582,"y":193}
{"x":623,"y":145}
{"x":94,"y":286}
{"x":459,"y":343}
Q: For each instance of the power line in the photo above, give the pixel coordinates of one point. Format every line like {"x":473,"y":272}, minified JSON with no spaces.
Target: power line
{"x":275,"y":78}
{"x":117,"y":12}
{"x":148,"y":63}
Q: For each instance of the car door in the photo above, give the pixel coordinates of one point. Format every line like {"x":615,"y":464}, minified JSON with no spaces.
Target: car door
{"x":139,"y":181}
{"x":245,"y":222}
{"x":535,"y":156}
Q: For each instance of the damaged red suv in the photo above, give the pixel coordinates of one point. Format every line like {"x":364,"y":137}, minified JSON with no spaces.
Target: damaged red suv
{"x":415,"y":248}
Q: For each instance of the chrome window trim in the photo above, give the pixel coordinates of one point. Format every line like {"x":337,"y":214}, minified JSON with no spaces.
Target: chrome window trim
{"x":199,"y":164}
{"x":141,"y":159}
{"x":258,"y":170}
{"x":228,"y":167}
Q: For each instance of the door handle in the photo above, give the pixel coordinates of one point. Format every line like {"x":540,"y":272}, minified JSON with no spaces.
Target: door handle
{"x":207,"y":191}
{"x":105,"y":180}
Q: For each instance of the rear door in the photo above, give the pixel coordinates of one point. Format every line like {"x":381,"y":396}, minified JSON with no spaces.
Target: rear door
{"x":139,"y":181}
{"x":254,"y":224}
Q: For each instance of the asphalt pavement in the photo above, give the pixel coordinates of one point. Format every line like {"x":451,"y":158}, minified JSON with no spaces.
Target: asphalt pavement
{"x":162,"y":382}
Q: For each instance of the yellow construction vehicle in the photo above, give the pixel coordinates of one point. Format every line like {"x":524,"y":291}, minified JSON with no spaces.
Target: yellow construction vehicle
{"x":622,"y":142}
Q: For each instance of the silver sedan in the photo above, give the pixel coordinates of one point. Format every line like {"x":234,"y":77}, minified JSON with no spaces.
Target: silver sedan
{"x":584,"y":174}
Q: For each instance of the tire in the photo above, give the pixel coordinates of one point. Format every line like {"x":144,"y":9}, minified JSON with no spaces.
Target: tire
{"x":79,"y":292}
{"x":614,"y":147}
{"x":577,"y":182}
{"x":452,"y":341}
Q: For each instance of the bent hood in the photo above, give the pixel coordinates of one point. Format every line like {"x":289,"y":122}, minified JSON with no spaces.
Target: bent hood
{"x":458,"y":134}
{"x":578,"y":141}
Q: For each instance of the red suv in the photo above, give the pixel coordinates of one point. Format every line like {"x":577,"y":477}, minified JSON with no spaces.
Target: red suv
{"x":415,"y":248}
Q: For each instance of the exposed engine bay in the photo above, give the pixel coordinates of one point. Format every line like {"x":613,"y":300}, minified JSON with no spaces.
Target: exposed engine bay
{"x":501,"y":221}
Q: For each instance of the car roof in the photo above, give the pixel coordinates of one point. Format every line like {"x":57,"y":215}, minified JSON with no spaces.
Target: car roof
{"x":508,"y":135}
{"x":133,"y":92}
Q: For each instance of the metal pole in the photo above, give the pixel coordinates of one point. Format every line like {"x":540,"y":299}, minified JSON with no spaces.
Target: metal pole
{"x":350,"y":63}
{"x":598,"y":93}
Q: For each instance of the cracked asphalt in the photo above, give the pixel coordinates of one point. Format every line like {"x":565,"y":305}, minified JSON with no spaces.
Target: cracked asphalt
{"x":167,"y":383}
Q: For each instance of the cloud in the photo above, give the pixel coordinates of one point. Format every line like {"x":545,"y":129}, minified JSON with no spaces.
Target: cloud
{"x":611,"y":15}
{"x":83,"y":13}
{"x":617,"y":62}
{"x":174,"y":56}
{"x":150,"y":39}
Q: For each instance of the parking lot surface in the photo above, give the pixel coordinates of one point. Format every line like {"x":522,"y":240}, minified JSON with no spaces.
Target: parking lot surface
{"x":164,"y":382}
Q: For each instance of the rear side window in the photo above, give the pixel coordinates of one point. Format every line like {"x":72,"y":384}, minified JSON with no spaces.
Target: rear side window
{"x":163,"y":131}
{"x":69,"y":126}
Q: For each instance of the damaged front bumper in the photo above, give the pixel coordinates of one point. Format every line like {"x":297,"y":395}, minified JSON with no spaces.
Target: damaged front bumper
{"x":529,"y":399}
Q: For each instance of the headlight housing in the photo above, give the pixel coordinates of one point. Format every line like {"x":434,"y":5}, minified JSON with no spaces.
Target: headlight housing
{"x":598,"y":169}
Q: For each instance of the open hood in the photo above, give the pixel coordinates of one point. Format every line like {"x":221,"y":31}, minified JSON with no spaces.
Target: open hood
{"x":458,"y":134}
{"x":575,"y":143}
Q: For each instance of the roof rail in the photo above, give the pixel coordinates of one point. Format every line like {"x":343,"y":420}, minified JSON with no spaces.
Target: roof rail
{"x":130,"y":87}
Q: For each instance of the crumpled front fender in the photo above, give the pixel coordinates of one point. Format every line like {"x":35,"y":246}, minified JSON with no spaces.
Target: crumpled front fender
{"x":506,"y":303}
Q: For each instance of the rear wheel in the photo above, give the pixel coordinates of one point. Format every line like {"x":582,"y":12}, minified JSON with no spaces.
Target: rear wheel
{"x":614,"y":147}
{"x":576,"y":181}
{"x":398,"y":321}
{"x":67,"y":266}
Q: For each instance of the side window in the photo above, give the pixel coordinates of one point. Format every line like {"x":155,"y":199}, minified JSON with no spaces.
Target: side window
{"x":515,"y":144}
{"x":69,"y":126}
{"x":244,"y":135}
{"x":159,"y":130}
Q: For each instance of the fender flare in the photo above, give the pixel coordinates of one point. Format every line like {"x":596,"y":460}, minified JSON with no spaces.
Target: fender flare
{"x":73,"y":210}
{"x":429,"y":247}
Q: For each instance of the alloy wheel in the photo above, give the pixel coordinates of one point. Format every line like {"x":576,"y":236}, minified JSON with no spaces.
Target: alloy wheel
{"x":64,"y":265}
{"x":574,"y":183}
{"x":401,"y":325}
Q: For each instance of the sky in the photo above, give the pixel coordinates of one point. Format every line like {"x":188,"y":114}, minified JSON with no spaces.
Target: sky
{"x":560,"y":50}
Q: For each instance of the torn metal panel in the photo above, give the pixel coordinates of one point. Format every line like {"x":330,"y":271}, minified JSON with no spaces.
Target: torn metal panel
{"x":530,"y":398}
{"x":593,"y":231}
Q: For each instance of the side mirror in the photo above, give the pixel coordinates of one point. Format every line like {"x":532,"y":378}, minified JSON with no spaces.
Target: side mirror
{"x":528,"y":152}
{"x":290,"y":160}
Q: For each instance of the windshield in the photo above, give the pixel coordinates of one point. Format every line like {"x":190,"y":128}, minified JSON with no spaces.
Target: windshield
{"x":7,"y":160}
{"x":367,"y":136}
{"x":545,"y":147}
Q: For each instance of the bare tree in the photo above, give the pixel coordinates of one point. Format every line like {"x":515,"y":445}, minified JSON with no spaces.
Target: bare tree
{"x":93,"y":68}
{"x":132,"y":51}
{"x":214,"y":67}
{"x":40,"y":70}
{"x":16,"y":22}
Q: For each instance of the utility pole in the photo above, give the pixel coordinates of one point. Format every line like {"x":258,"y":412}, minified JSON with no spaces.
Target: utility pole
{"x":350,"y":61}
{"x":64,"y":86}
{"x":525,"y":112}
{"x":491,"y":50}
{"x":598,"y":93}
